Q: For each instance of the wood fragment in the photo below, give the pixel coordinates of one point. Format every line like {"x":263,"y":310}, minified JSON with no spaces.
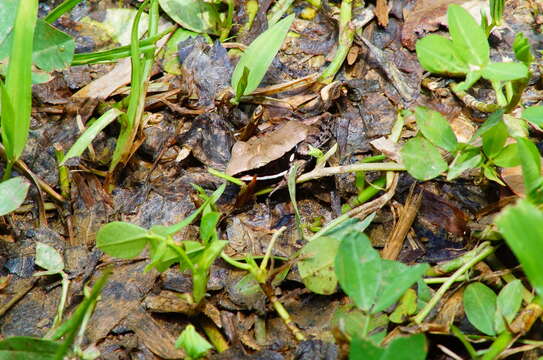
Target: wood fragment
{"x":395,"y":242}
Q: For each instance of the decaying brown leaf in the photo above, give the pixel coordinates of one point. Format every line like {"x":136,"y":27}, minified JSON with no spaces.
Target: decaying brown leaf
{"x":381,"y":11}
{"x":260,"y":151}
{"x":429,"y":15}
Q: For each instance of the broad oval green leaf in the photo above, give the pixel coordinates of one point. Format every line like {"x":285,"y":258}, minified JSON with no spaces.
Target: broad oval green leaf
{"x":505,"y":71}
{"x":422,"y":159}
{"x":53,"y":49}
{"x":436,"y":128}
{"x":436,"y":54}
{"x":508,"y":304}
{"x":358,"y":269}
{"x":49,"y":258}
{"x":480,"y":307}
{"x":196,"y":15}
{"x":526,"y":245}
{"x":468,"y":38}
{"x":122,"y":240}
{"x":28,"y":348}
{"x":90,"y":133}
{"x":534,"y":114}
{"x":317,"y":265}
{"x":12,"y":194}
{"x":260,"y":54}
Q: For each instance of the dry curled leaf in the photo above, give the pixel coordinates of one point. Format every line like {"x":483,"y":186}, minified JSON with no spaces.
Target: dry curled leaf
{"x":257,"y":152}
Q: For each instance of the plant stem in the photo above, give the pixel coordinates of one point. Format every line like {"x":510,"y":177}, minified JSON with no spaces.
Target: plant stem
{"x":283,"y":313}
{"x":214,"y":335}
{"x":335,"y":170}
{"x":7,"y":170}
{"x":482,"y":251}
{"x":63,"y":297}
{"x":498,"y":346}
{"x":346,"y":37}
{"x":63,"y":173}
{"x":471,"y":102}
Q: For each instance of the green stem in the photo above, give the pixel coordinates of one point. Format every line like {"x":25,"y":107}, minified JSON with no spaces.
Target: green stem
{"x":61,"y":9}
{"x":346,"y":37}
{"x":235,"y":263}
{"x":63,"y":297}
{"x":460,"y":335}
{"x":7,"y":170}
{"x":498,"y":346}
{"x":63,"y":173}
{"x":227,"y":26}
{"x":482,"y":251}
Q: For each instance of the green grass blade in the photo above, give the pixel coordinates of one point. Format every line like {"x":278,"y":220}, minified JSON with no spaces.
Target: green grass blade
{"x":92,"y":131}
{"x":15,"y":124}
{"x":63,"y":8}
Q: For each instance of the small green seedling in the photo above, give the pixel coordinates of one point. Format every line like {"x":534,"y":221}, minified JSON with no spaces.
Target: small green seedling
{"x":489,"y":313}
{"x":48,"y":258}
{"x":126,"y":241}
{"x":256,"y":60}
{"x":194,"y":344}
{"x":52,"y":348}
{"x":467,"y":54}
{"x":422,"y":154}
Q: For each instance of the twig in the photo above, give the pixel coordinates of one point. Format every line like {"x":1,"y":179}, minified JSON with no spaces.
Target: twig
{"x":335,"y":170}
{"x":394,"y":244}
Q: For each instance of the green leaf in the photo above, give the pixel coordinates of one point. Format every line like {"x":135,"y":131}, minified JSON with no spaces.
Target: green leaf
{"x":526,"y":245}
{"x":467,"y":159}
{"x":242,"y":84}
{"x":7,"y":20}
{"x":15,"y":119}
{"x":208,"y":227}
{"x":395,"y":280}
{"x":496,"y":11}
{"x":48,"y":257}
{"x":490,"y":173}
{"x":480,"y":307}
{"x":531,"y":168}
{"x":534,"y":114}
{"x":372,"y":283}
{"x":316,"y":266}
{"x":469,"y":40}
{"x":508,"y":304}
{"x":358,"y":269}
{"x":27,"y":348}
{"x":436,"y":54}
{"x":436,"y":128}
{"x":354,"y":322}
{"x":407,"y":306}
{"x":494,"y":139}
{"x":122,"y":240}
{"x":401,"y":348}
{"x":90,"y":133}
{"x":194,"y":344}
{"x":422,"y":159}
{"x":12,"y":194}
{"x":196,"y":15}
{"x":523,"y":49}
{"x":260,"y":54}
{"x":508,"y":157}
{"x":505,"y":71}
{"x":471,"y":79}
{"x":53,"y":49}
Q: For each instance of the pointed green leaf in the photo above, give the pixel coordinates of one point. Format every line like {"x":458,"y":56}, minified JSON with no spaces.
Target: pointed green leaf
{"x":505,"y":71}
{"x":260,"y":54}
{"x":469,"y":40}
{"x":508,"y":157}
{"x":196,"y":15}
{"x":436,"y":128}
{"x":122,"y":240}
{"x":494,"y":139}
{"x":465,"y":160}
{"x":523,"y":49}
{"x":28,"y":348}
{"x":194,"y":344}
{"x":437,"y":55}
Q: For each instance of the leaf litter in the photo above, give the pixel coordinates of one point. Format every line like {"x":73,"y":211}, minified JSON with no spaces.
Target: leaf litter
{"x":197,"y":128}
